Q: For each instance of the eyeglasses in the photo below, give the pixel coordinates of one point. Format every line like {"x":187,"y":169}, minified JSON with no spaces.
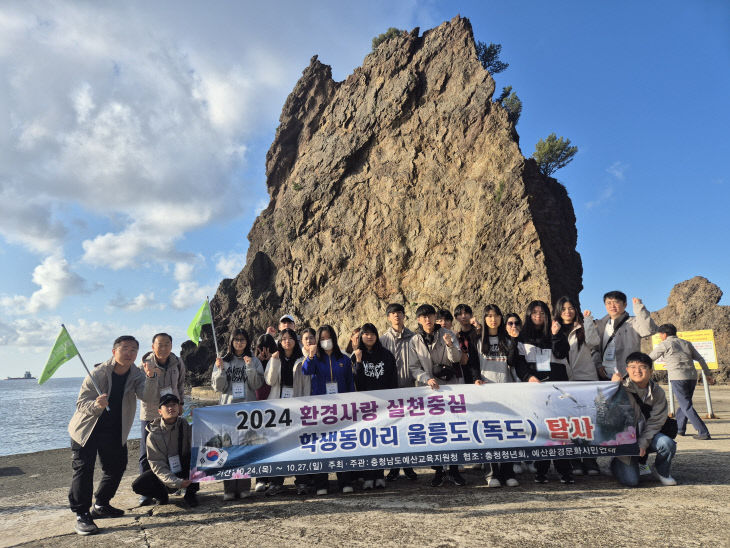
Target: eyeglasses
{"x":638,"y":367}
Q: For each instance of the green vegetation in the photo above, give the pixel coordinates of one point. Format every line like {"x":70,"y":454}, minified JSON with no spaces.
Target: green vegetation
{"x":489,"y":57}
{"x":511,"y":103}
{"x":390,"y":33}
{"x":498,"y":191}
{"x":297,"y":186}
{"x":553,"y":154}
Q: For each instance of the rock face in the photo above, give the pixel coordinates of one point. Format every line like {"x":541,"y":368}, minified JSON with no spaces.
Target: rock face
{"x":693,"y":304}
{"x":403,"y":183}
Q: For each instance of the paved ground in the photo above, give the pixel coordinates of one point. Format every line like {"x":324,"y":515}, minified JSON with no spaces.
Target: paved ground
{"x":593,"y":512}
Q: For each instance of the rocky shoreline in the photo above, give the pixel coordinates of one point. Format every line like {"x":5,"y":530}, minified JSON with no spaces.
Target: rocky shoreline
{"x":595,"y":511}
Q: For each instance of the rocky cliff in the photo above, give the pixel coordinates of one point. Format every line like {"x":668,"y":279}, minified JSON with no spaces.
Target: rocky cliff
{"x":403,"y":183}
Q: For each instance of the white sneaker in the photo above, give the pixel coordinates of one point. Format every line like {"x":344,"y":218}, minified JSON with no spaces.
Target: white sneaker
{"x":666,"y":480}
{"x":577,"y":471}
{"x":347,"y":489}
{"x":229,"y":496}
{"x":321,"y":491}
{"x":380,"y":483}
{"x":511,"y":482}
{"x":494,"y":482}
{"x":644,"y":470}
{"x":517,"y":468}
{"x":531,"y":468}
{"x":367,"y":484}
{"x":260,"y":487}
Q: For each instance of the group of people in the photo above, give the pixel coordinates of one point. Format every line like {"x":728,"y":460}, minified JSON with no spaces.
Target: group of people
{"x":443,"y":349}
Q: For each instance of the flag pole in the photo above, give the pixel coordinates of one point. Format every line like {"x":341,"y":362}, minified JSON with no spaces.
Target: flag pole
{"x":96,"y":386}
{"x":212,"y":326}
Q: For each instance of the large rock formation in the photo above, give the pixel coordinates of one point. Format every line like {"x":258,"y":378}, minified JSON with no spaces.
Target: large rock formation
{"x":692,"y":305}
{"x":404,"y":183}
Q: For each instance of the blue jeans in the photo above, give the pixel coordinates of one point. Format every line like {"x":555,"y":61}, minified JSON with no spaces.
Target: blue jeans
{"x":684,"y":390}
{"x":664,"y":447}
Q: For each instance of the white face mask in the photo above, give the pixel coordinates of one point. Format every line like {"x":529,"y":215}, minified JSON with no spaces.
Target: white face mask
{"x":327,"y":345}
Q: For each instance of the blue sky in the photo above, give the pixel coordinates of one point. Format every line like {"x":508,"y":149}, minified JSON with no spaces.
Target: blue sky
{"x":133,"y":141}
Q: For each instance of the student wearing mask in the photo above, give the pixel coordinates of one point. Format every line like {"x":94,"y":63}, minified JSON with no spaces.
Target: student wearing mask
{"x":375,"y":369}
{"x":331,"y":373}
{"x":237,"y":376}
{"x":397,"y":340}
{"x":541,"y":356}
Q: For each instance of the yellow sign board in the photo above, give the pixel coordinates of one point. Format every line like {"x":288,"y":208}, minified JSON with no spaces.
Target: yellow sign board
{"x":703,"y":340}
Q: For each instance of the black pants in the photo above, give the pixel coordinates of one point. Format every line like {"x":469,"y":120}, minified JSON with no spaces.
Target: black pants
{"x":113,"y":458}
{"x":452,"y":468}
{"x":149,"y":485}
{"x":500,"y":470}
{"x":562,"y":466}
{"x":321,"y":481}
{"x":374,"y":474}
{"x":143,"y":464}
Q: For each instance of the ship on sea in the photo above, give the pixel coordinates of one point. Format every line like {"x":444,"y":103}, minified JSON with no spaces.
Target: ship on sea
{"x":24,"y":377}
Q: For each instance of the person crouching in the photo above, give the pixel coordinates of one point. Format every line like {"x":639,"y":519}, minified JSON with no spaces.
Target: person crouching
{"x":168,"y":454}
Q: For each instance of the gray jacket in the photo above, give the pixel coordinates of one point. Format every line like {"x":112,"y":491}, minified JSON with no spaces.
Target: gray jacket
{"x":162,"y":443}
{"x":438,"y":353}
{"x":272,"y":376}
{"x":654,"y":396}
{"x":581,"y":366}
{"x":628,"y":337}
{"x":399,"y":345}
{"x":678,"y":355}
{"x":236,"y":370}
{"x":172,"y":380}
{"x":138,"y":385}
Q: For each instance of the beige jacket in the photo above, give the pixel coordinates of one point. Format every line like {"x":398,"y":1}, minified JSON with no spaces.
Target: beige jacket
{"x":438,"y":353}
{"x":628,"y":337}
{"x":162,"y":443}
{"x":581,"y":366}
{"x":654,"y":396}
{"x":272,"y":376}
{"x":172,"y":380}
{"x":138,"y":385}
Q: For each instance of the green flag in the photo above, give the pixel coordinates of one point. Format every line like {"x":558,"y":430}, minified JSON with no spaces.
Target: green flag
{"x":63,"y":350}
{"x":201,"y":318}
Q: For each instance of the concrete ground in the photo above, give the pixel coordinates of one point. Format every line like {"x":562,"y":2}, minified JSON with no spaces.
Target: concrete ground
{"x":596,"y":511}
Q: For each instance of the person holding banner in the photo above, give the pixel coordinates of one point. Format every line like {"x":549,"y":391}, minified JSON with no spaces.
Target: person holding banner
{"x":437,"y":362}
{"x":541,"y":356}
{"x":493,"y":350}
{"x":679,"y":356}
{"x":583,"y":340}
{"x":284,"y":375}
{"x":101,"y":425}
{"x":650,"y":411}
{"x":168,"y":454}
{"x":331,"y":373}
{"x":375,"y":369}
{"x":237,"y":376}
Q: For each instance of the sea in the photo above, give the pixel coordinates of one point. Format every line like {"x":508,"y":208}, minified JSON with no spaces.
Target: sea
{"x":34,"y":417}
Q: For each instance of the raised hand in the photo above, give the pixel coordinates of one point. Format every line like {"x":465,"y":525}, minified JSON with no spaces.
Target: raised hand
{"x":448,"y":340}
{"x":555,"y":328}
{"x":358,"y":355}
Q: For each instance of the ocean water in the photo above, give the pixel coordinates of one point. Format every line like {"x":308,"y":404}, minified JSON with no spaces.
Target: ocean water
{"x":34,"y":417}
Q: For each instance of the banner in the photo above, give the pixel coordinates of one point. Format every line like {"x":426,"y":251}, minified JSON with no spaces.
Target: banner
{"x":412,"y":427}
{"x":703,"y":340}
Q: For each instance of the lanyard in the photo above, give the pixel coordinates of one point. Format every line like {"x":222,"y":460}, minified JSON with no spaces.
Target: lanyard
{"x":332,"y":375}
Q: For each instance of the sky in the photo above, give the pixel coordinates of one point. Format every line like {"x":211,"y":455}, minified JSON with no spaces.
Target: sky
{"x":133,"y":138}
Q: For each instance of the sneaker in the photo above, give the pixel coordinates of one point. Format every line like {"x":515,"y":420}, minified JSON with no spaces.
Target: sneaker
{"x":106,"y":511}
{"x":517,"y":468}
{"x":666,"y":480}
{"x":438,"y":479}
{"x":531,"y":468}
{"x":367,"y":484}
{"x":644,"y":470}
{"x":511,"y":482}
{"x":260,"y":487}
{"x":392,"y":475}
{"x":567,"y":478}
{"x":380,"y":483}
{"x":322,"y":491}
{"x":541,"y":479}
{"x":456,"y":478}
{"x":702,"y":437}
{"x":494,"y":482}
{"x":410,"y":474}
{"x":274,"y":489}
{"x":146,"y":501}
{"x":191,"y":499}
{"x":301,"y":488}
{"x":347,"y":489}
{"x":681,"y":433}
{"x":577,"y":471}
{"x":85,"y":525}
{"x":229,"y":496}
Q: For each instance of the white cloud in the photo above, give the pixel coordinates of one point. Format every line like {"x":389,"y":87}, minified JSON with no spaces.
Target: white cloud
{"x":188,"y":292}
{"x":56,"y":281}
{"x":617,"y":169}
{"x":143,"y":301}
{"x":604,"y":196}
{"x":230,"y":265}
